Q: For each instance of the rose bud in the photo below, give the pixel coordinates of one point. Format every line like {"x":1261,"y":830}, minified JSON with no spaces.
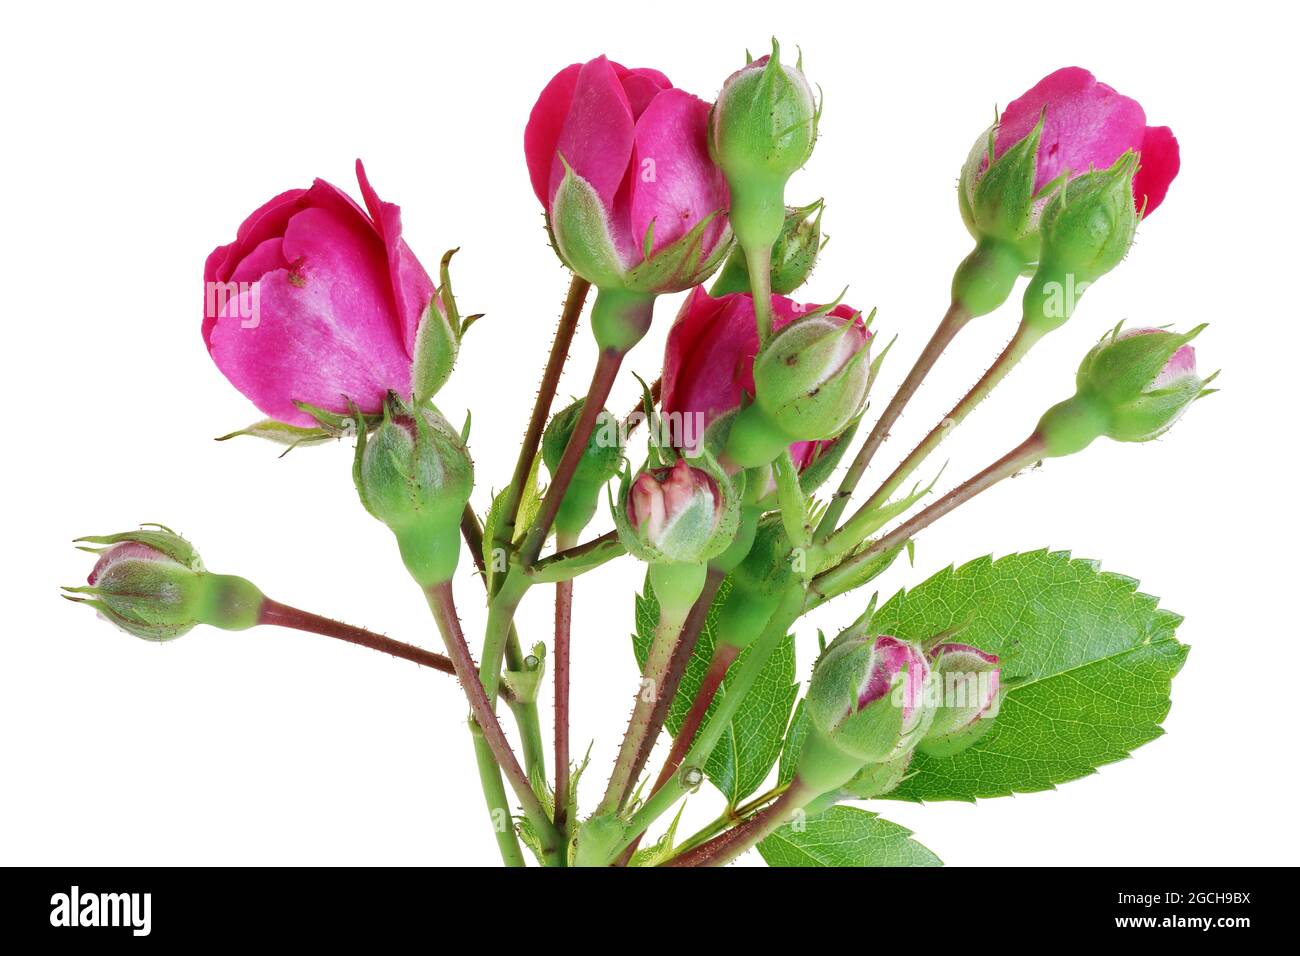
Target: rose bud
{"x":1066,"y":126}
{"x":966,"y":684}
{"x":151,"y":583}
{"x":683,"y":514}
{"x":317,"y":302}
{"x":866,"y":705}
{"x":619,"y":160}
{"x":810,"y":382}
{"x":761,"y":131}
{"x":415,"y":475}
{"x":793,"y":255}
{"x":599,"y":463}
{"x":709,"y":373}
{"x":1132,"y":386}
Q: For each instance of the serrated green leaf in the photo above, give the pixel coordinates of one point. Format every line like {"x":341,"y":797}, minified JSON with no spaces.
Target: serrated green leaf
{"x":845,"y":836}
{"x":747,"y":751}
{"x":1089,"y":659}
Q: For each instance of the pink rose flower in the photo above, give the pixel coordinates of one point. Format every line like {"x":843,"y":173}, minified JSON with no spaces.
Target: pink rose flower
{"x":1089,"y":125}
{"x":317,"y":300}
{"x":709,"y":362}
{"x":641,"y":145}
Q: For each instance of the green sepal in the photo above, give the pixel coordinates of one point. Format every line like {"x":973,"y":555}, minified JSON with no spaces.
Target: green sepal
{"x":681,"y":264}
{"x":162,"y":539}
{"x":437,"y":340}
{"x":525,"y":683}
{"x":581,"y":232}
{"x":282,"y":434}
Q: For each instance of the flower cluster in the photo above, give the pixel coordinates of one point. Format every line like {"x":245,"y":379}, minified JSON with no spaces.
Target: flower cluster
{"x":322,"y":315}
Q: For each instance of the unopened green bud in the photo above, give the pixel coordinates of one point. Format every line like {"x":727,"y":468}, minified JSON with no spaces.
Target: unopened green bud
{"x":152,"y":584}
{"x":997,"y":196}
{"x":1087,"y":229}
{"x":415,"y":475}
{"x":761,"y":131}
{"x":1132,"y":386}
{"x":867,"y":697}
{"x":966,"y":688}
{"x":811,"y":382}
{"x":598,"y":464}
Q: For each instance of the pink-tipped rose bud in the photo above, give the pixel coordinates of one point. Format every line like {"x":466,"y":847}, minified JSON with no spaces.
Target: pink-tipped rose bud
{"x":709,"y":371}
{"x":966,"y":684}
{"x":1132,"y":386}
{"x":317,"y":301}
{"x":683,"y":514}
{"x":619,"y":160}
{"x":152,"y":584}
{"x":1064,"y":127}
{"x":867,"y":704}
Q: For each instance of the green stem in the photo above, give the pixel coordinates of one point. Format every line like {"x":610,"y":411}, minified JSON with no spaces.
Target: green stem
{"x":494,"y":792}
{"x":570,"y":562}
{"x":501,"y":612}
{"x":759,"y":262}
{"x":851,"y":533}
{"x":524,"y":711}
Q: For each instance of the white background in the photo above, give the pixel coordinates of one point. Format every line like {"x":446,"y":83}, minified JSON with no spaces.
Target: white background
{"x":136,"y":138}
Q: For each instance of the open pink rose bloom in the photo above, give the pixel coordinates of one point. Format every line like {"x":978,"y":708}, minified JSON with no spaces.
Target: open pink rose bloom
{"x":1088,"y":125}
{"x":317,"y":300}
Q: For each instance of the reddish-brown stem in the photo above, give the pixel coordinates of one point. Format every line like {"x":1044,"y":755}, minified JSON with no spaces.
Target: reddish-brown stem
{"x":573,"y":303}
{"x":283,"y":615}
{"x":602,"y":380}
{"x":725,"y":847}
{"x":724,"y":655}
{"x":690,"y":636}
{"x":954,"y":321}
{"x":1023,"y":455}
{"x":444,"y":612}
{"x":563,"y":629}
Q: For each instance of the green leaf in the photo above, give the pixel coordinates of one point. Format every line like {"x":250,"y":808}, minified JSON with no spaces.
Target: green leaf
{"x":1089,"y":659}
{"x":845,"y":836}
{"x":794,"y":737}
{"x":529,"y":504}
{"x":747,"y":751}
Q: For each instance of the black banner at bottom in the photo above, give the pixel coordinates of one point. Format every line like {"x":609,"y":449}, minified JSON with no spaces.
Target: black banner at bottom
{"x":338,"y":906}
